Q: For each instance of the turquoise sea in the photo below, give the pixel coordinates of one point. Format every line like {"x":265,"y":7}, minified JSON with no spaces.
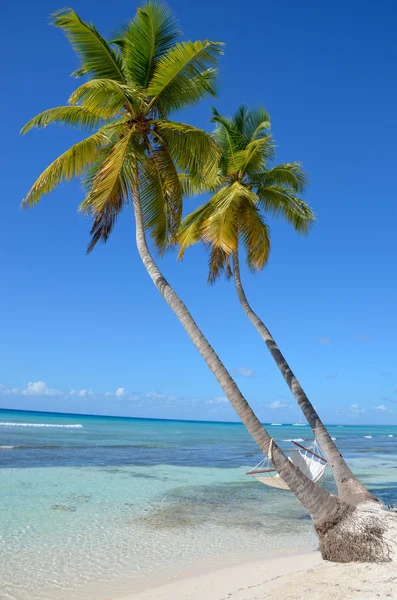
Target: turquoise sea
{"x":94,"y":507}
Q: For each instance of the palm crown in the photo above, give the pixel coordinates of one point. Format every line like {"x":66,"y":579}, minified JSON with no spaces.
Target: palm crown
{"x":247,"y":187}
{"x":134,"y":83}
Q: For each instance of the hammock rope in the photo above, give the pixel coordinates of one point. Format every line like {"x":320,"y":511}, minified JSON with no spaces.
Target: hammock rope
{"x":309,"y":460}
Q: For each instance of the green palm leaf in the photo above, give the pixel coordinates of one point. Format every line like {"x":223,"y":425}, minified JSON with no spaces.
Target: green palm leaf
{"x":281,"y":201}
{"x":184,"y":75}
{"x":255,"y":235}
{"x":253,"y":123}
{"x":254,"y":158}
{"x":291,"y":175}
{"x":109,"y":181}
{"x":221,"y":228}
{"x":195,"y":186}
{"x":134,"y":81}
{"x":75,"y":116}
{"x":71,"y":163}
{"x":161,"y":198}
{"x":247,"y":187}
{"x":97,"y":57}
{"x":152,"y":32}
{"x":105,"y":96}
{"x":192,"y":149}
{"x":227,"y":136}
{"x":191,"y":227}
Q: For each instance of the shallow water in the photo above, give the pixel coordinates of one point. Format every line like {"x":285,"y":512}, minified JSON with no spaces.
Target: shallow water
{"x":99,"y":503}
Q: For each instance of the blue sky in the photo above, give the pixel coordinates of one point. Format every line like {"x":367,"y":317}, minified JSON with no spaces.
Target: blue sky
{"x":91,"y":334}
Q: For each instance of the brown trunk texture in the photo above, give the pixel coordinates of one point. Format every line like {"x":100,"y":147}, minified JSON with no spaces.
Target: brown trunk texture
{"x":349,"y":488}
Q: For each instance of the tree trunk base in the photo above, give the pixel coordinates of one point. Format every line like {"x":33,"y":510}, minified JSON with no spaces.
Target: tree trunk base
{"x":365,"y":533}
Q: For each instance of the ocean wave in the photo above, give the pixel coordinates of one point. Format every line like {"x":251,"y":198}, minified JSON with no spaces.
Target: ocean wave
{"x":368,"y":436}
{"x":333,"y":439}
{"x":87,"y":447}
{"x":7,"y":447}
{"x":6,"y":424}
{"x":390,"y":435}
{"x":294,"y":440}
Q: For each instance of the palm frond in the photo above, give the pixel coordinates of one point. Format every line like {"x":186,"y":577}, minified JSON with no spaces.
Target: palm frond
{"x":190,"y":230}
{"x":105,"y":96}
{"x":184,"y":74}
{"x":109,"y":185}
{"x":255,"y":235}
{"x":227,"y":136}
{"x":75,"y":116}
{"x":218,"y":265}
{"x":189,"y":186}
{"x":80,"y":72}
{"x":192,"y":150}
{"x":240,"y":118}
{"x":151,"y":33}
{"x":194,"y":186}
{"x":161,"y":198}
{"x":221,"y":228}
{"x":97,"y":57}
{"x":256,"y":123}
{"x":71,"y":163}
{"x":282,"y":201}
{"x":290,"y":175}
{"x":105,"y":220}
{"x":254,"y":158}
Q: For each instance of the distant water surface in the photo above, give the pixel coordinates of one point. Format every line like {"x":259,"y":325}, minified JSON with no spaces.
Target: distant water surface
{"x":90,"y":506}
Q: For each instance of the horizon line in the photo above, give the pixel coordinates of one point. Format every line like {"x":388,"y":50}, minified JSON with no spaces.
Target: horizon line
{"x":48,"y":412}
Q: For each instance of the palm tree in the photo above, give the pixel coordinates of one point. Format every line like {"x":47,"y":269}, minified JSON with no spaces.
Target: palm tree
{"x":137,"y":154}
{"x":248,"y":186}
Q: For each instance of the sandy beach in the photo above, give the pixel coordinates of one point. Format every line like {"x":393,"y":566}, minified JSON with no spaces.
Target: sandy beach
{"x":292,"y":577}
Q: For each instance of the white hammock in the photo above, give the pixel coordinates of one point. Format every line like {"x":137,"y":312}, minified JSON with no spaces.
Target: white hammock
{"x":309,"y":460}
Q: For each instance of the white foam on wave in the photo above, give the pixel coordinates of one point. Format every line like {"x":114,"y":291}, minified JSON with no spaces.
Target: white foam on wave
{"x":390,"y":435}
{"x":368,"y":436}
{"x":294,"y":440}
{"x":6,"y":447}
{"x":6,"y":424}
{"x":333,"y":439}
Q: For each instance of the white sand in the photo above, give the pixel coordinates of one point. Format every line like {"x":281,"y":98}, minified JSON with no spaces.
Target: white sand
{"x":299,"y":577}
{"x":291,"y":577}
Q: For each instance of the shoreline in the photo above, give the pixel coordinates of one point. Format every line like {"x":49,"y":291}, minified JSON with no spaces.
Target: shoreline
{"x":304,"y":576}
{"x":219,"y":579}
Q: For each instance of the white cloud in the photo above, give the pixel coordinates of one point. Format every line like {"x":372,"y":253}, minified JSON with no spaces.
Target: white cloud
{"x":277,"y":404}
{"x":34,"y":388}
{"x":81,"y":393}
{"x":154,"y":395}
{"x":356,"y":408}
{"x":323,"y":340}
{"x":120,"y":392}
{"x":381,"y":407}
{"x":217,"y":400}
{"x":245,"y":372}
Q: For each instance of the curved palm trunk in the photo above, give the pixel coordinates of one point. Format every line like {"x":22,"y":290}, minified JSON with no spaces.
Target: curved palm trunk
{"x":346,"y":533}
{"x":323,"y":507}
{"x":349,"y":488}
